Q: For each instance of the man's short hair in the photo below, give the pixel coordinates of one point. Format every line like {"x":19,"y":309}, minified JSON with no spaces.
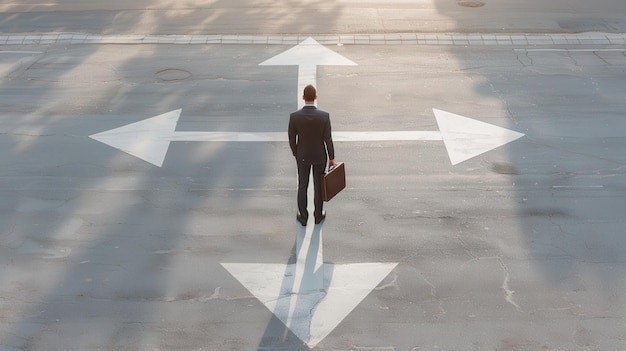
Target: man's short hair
{"x":310,"y":94}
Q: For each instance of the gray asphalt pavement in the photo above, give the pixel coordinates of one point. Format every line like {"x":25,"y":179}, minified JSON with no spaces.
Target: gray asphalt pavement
{"x":519,"y":248}
{"x":322,"y":17}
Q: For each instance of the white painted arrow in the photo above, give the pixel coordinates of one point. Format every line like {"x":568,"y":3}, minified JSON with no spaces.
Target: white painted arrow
{"x":466,"y":138}
{"x":310,"y":316}
{"x":307,"y":56}
{"x":149,"y":139}
{"x":310,"y":297}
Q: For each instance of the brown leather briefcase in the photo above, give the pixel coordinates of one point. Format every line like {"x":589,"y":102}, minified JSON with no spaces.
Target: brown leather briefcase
{"x":333,"y":181}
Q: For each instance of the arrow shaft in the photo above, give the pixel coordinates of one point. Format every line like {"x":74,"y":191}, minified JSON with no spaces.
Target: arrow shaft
{"x":228,"y":136}
{"x":309,"y":271}
{"x":388,"y":136}
{"x":282,"y":136}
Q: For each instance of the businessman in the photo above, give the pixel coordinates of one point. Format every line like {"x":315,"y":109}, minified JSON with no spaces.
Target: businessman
{"x":312,"y":145}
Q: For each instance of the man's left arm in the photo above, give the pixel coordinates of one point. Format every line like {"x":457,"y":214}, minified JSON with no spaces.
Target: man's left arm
{"x":328,"y":140}
{"x":293,"y":137}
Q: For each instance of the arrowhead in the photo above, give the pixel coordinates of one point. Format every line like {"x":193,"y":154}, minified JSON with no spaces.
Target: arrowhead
{"x":311,"y":316}
{"x":308,"y":52}
{"x":148,"y":139}
{"x":466,"y":138}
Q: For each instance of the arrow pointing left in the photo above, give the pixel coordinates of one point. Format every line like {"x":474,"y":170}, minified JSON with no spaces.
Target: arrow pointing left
{"x":148,"y":139}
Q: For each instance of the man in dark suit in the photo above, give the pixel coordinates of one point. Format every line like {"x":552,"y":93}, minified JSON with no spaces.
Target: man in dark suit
{"x":312,"y":145}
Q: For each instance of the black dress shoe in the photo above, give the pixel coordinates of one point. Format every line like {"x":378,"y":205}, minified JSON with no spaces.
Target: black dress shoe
{"x":301,"y":220}
{"x":321,"y":218}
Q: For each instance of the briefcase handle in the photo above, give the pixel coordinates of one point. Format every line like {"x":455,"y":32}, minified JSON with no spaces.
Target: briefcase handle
{"x":327,"y":170}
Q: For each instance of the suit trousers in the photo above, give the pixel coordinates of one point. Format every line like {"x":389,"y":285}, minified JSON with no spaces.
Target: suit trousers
{"x":304,"y":169}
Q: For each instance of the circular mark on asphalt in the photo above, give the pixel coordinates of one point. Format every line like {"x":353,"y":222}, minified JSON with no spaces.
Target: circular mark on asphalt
{"x":470,"y":3}
{"x":172,"y":75}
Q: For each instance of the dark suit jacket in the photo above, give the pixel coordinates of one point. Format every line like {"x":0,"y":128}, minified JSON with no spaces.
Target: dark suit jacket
{"x":309,"y":135}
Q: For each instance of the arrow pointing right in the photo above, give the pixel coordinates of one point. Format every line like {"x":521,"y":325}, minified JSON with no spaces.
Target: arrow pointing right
{"x":466,"y":138}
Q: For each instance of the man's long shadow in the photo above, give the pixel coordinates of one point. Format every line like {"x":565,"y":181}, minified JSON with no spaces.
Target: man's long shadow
{"x":296,"y":296}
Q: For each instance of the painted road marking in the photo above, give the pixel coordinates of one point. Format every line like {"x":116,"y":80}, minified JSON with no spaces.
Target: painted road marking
{"x":571,"y":50}
{"x":310,"y":316}
{"x":12,"y":6}
{"x":466,"y":138}
{"x":310,"y":297}
{"x":21,"y":52}
{"x":446,"y":39}
{"x":307,"y":56}
{"x":309,"y":272}
{"x":150,"y":139}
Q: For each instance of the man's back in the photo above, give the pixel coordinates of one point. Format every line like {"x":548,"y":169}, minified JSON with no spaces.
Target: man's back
{"x":310,"y":135}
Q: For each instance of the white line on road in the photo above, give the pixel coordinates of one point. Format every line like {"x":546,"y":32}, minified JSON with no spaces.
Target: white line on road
{"x":282,"y":136}
{"x":21,"y":52}
{"x":447,"y":39}
{"x":577,"y":187}
{"x":572,"y":50}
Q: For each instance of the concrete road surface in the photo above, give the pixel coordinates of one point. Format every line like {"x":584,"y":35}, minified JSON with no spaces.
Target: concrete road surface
{"x":311,"y":17}
{"x":497,"y":225}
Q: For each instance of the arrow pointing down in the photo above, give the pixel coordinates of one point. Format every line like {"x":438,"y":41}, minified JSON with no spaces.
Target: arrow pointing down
{"x":310,"y":297}
{"x":463,"y":137}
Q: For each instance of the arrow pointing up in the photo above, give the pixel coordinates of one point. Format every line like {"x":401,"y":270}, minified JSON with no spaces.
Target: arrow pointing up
{"x":464,"y":137}
{"x":307,"y":56}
